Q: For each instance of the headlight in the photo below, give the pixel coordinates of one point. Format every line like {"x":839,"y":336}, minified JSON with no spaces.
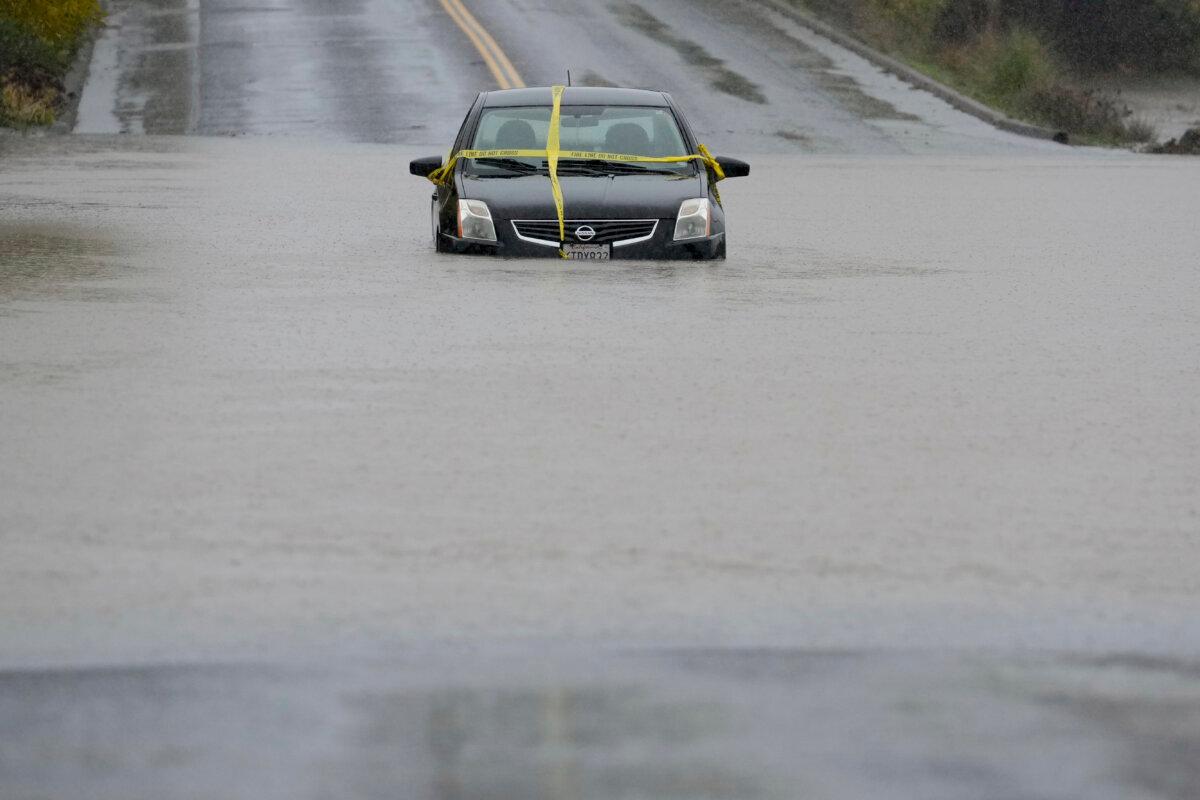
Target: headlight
{"x":695,"y":220}
{"x":475,"y":221}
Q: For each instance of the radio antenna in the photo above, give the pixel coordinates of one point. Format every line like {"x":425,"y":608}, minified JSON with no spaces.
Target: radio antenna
{"x":568,"y":77}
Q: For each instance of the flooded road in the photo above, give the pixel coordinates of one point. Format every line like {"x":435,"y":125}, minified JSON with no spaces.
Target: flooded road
{"x":901,"y":500}
{"x":925,"y":402}
{"x":922,"y":450}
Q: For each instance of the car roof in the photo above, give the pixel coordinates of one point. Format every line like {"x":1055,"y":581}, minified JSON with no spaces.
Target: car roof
{"x":576,"y":95}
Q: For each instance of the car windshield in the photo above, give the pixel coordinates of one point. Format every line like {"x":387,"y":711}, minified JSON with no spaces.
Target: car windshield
{"x":627,"y":130}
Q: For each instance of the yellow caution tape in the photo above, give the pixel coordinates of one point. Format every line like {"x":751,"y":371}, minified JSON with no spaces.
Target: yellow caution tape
{"x":553,"y":154}
{"x":442,"y":174}
{"x":552,"y":164}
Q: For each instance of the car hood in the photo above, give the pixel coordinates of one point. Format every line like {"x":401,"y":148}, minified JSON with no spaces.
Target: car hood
{"x":584,"y":197}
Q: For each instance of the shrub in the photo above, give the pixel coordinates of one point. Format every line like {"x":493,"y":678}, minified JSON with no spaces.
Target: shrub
{"x":58,"y":23}
{"x":1015,"y":63}
{"x":38,"y":39}
{"x":1139,"y":130}
{"x":1103,"y":34}
{"x":913,"y":20}
{"x":963,"y":21}
{"x":1082,"y":112}
{"x":21,"y":106}
{"x":24,"y":55}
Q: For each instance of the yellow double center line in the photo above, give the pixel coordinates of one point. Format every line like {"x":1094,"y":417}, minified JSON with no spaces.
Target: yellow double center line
{"x":502,"y":69}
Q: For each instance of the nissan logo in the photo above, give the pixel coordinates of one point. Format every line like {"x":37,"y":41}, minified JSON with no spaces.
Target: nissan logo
{"x":585,"y":233}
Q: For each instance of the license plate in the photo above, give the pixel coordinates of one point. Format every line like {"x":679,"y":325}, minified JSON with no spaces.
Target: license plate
{"x":587,"y":252}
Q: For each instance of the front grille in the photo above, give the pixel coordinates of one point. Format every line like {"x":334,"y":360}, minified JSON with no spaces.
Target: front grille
{"x":616,"y":232}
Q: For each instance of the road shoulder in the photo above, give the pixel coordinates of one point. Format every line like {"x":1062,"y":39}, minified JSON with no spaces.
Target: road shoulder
{"x":915,"y":77}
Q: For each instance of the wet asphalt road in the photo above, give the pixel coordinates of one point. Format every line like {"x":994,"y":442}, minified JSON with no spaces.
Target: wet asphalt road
{"x":901,"y":500}
{"x":750,"y":77}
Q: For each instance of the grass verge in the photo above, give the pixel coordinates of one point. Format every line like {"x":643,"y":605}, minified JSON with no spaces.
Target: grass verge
{"x":1031,"y":59}
{"x":1016,"y":72}
{"x":38,"y":41}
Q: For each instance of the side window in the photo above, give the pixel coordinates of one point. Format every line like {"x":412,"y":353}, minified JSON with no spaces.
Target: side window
{"x":485,"y":134}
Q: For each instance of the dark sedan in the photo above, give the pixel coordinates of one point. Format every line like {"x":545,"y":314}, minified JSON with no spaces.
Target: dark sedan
{"x":657,"y":200}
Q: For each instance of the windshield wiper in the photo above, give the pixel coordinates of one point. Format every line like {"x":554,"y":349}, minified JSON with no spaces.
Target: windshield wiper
{"x":512,"y":164}
{"x":599,"y":166}
{"x":589,"y":166}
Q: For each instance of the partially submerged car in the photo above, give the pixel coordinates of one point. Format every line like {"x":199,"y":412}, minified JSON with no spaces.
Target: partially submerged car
{"x":580,"y":173}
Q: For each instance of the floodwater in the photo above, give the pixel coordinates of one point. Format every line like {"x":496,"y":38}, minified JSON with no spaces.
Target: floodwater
{"x":902,"y":500}
{"x":930,"y":403}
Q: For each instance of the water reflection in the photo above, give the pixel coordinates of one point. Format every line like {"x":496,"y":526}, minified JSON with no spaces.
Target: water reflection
{"x":560,"y":743}
{"x":36,"y":258}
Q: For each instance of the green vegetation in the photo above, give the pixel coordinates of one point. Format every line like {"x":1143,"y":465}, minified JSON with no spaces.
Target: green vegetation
{"x":38,"y":40}
{"x":1031,"y":58}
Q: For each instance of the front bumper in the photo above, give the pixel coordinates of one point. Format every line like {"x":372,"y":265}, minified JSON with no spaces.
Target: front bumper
{"x":659,"y":246}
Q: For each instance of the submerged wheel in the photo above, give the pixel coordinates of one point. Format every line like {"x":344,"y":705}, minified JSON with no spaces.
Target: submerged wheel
{"x":439,"y":244}
{"x":720,"y":250}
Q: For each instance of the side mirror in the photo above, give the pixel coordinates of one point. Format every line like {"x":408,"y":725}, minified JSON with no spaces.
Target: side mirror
{"x":733,"y":167}
{"x":423,"y":166}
